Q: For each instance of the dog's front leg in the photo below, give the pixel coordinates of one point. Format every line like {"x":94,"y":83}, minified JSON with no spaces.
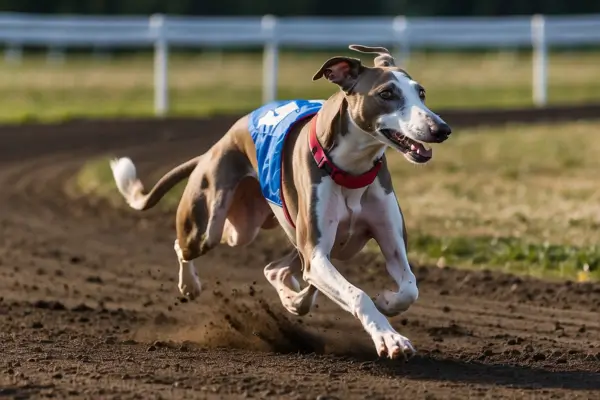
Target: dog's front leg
{"x":389,"y":231}
{"x":316,"y":234}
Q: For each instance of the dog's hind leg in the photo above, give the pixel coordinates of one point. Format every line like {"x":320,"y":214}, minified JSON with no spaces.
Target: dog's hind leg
{"x":280,"y":274}
{"x":221,"y":203}
{"x":247,"y":212}
{"x":189,"y":284}
{"x":200,"y":221}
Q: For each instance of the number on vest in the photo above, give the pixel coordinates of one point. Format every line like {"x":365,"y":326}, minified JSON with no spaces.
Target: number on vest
{"x":273,"y":117}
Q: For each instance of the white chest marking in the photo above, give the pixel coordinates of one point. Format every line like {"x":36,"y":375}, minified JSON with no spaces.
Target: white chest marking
{"x":352,"y":208}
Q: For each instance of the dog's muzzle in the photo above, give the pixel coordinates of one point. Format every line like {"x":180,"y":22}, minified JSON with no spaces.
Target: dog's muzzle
{"x":412,"y":149}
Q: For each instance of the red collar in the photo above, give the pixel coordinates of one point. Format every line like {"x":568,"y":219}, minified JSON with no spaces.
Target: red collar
{"x":339,"y":176}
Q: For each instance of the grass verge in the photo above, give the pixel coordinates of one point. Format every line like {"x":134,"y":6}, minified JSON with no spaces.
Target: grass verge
{"x":509,"y":254}
{"x":518,"y":198}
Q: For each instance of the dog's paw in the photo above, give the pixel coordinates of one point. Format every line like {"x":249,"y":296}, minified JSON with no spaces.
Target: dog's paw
{"x":299,"y":303}
{"x":393,"y":345}
{"x":189,"y":286}
{"x":190,"y":291}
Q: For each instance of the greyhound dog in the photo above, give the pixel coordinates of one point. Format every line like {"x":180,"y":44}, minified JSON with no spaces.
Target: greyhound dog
{"x":316,"y":168}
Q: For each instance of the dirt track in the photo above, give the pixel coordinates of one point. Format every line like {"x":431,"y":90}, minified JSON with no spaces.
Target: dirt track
{"x":90,"y":307}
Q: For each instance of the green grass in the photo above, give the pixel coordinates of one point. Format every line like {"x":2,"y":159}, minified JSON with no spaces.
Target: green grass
{"x":211,"y":83}
{"x":519,"y":198}
{"x":509,"y":254}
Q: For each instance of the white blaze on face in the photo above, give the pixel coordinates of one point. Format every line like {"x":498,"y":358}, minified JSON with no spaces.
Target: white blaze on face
{"x":411,"y":118}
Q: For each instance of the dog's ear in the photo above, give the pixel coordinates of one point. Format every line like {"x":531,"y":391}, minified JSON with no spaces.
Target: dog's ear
{"x":343,"y":71}
{"x":384,"y":57}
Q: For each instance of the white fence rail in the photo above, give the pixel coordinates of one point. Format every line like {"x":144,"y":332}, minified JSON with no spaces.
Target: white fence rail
{"x":403,"y":34}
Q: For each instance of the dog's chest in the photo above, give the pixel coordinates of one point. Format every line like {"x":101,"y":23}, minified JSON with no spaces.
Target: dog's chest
{"x":353,"y":229}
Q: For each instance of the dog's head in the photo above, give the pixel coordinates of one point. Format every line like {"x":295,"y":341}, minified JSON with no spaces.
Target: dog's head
{"x":386,"y":102}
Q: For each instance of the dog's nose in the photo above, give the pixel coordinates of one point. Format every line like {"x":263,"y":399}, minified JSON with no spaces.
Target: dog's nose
{"x":441,"y":129}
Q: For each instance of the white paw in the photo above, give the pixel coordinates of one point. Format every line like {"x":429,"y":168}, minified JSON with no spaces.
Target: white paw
{"x":189,"y":285}
{"x":299,"y":303}
{"x":393,"y":345}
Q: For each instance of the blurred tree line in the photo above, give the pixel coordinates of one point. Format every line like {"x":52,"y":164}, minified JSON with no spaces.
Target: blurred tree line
{"x":305,"y":7}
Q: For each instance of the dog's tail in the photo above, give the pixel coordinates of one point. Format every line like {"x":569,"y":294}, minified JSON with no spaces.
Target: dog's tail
{"x":132,"y":189}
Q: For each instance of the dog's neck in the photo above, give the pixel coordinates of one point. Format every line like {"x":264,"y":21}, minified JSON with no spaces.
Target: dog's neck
{"x":347,"y":145}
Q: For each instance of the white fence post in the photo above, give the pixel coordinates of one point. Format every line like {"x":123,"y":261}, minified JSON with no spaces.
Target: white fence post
{"x":161,"y":67}
{"x":400,"y":27}
{"x":540,"y":60}
{"x":270,"y":59}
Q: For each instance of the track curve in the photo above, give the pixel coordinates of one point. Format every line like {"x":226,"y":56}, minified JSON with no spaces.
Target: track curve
{"x":89,"y":306}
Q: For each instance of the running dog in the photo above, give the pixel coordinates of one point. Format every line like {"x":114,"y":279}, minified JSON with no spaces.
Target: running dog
{"x":316,"y":168}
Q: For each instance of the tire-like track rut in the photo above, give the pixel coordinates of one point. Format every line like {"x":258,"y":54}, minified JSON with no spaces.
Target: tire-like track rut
{"x":89,"y":306}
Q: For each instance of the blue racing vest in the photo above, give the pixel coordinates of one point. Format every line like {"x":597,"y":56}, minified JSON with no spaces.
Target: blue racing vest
{"x":269,"y":126}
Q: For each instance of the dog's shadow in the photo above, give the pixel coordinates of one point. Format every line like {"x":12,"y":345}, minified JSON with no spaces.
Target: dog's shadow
{"x":424,"y":367}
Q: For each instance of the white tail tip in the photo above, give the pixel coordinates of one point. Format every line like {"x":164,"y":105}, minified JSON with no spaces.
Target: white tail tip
{"x":125,"y":175}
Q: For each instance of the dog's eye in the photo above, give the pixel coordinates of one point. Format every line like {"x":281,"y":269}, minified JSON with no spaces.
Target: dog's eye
{"x":386,"y":94}
{"x":422,"y":94}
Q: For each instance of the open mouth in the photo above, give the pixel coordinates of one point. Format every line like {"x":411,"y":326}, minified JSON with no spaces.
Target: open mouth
{"x":412,"y":149}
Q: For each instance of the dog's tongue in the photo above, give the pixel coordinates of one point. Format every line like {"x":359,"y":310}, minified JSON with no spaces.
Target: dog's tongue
{"x":421,"y":150}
